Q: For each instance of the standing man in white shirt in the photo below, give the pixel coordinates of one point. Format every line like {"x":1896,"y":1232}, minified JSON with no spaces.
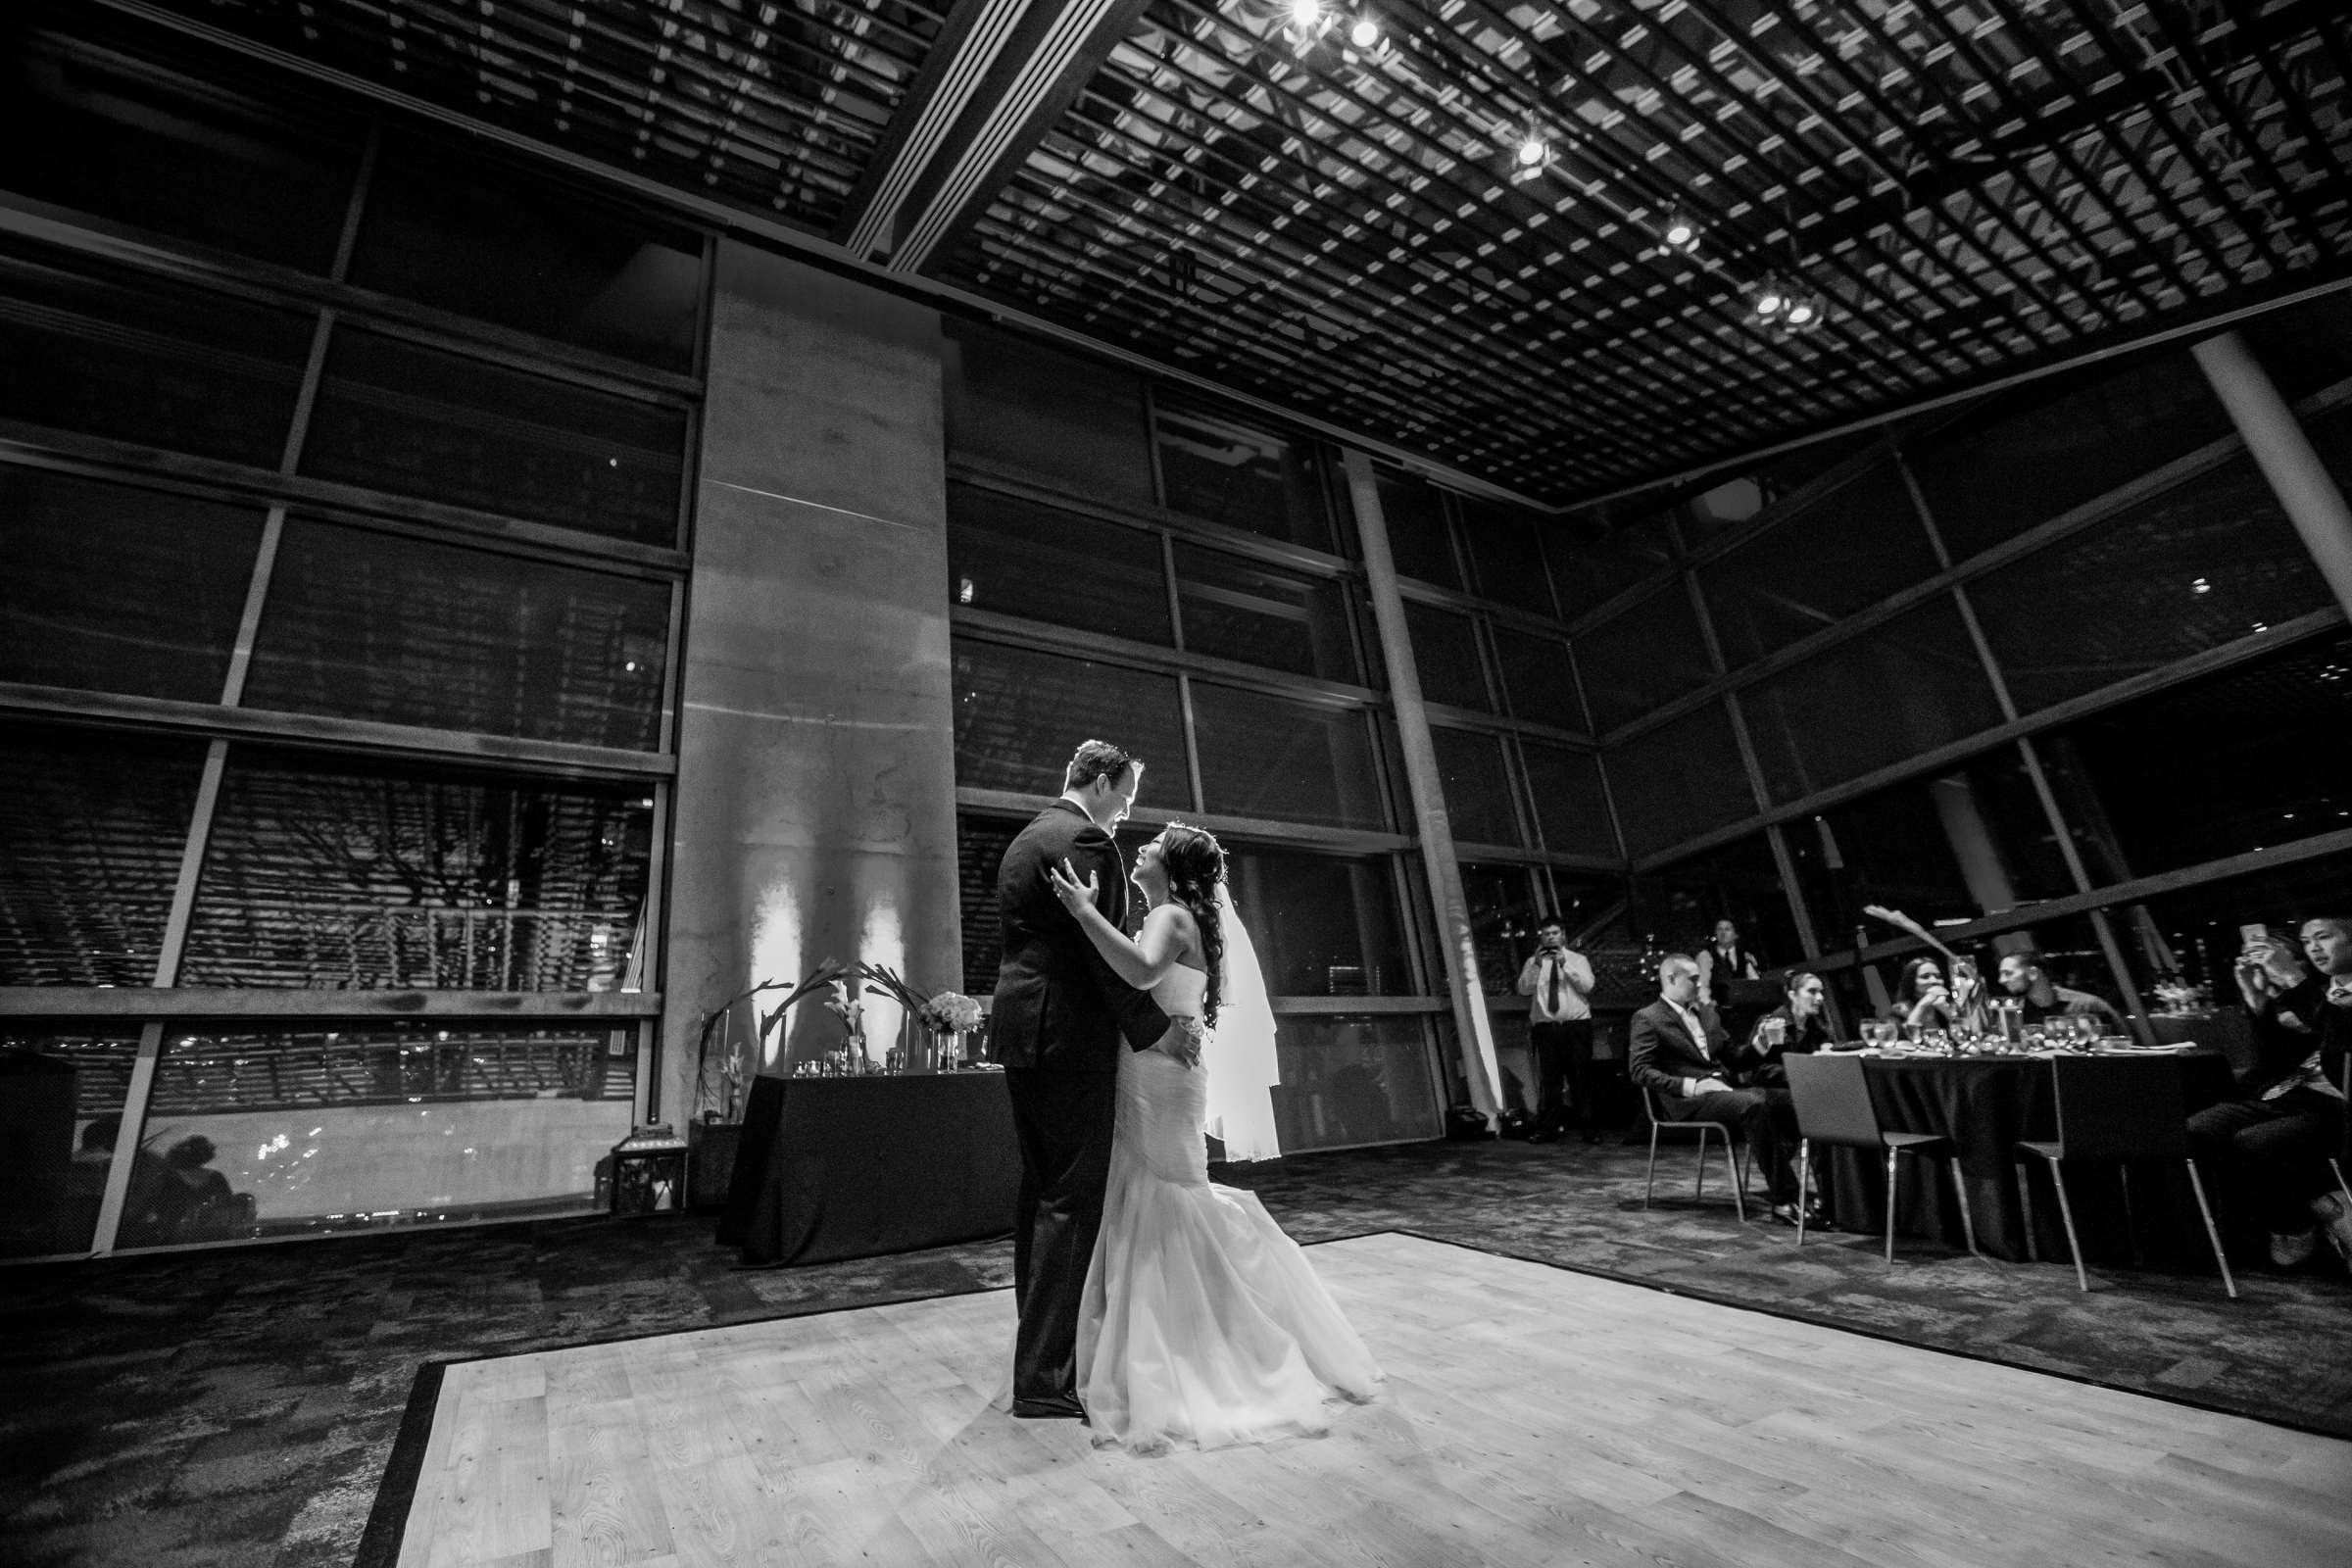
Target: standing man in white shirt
{"x":1559,"y":983}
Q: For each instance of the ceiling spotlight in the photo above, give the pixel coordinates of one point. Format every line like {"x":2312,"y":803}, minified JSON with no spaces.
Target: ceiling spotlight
{"x":1305,"y":12}
{"x":1682,"y":231}
{"x":1365,"y":32}
{"x":1803,"y":312}
{"x":1771,"y":300}
{"x":1532,"y":151}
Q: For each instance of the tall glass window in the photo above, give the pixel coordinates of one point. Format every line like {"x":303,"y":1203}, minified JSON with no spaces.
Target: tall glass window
{"x":418,"y":421}
{"x":100,"y":350}
{"x":1478,"y":787}
{"x":159,"y":620}
{"x":327,"y":877}
{"x":1323,"y":925}
{"x":1507,"y":557}
{"x":1215,"y":467}
{"x":1020,"y":558}
{"x":1020,"y":713}
{"x":1236,"y":607}
{"x":1446,"y":654}
{"x":1420,"y":539}
{"x":2059,"y":442}
{"x":528,"y":251}
{"x":1644,"y":657}
{"x":92,"y":829}
{"x":370,"y":626}
{"x":2204,"y":564}
{"x":1907,"y":687}
{"x":1290,"y":761}
{"x":1839,"y":554}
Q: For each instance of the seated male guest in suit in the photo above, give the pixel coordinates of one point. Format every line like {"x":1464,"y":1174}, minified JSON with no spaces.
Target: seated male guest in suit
{"x":2278,"y":1132}
{"x":1678,"y":1048}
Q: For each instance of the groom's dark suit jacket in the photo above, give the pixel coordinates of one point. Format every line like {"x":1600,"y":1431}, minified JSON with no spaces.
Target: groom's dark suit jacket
{"x":1660,"y":1053}
{"x":1059,"y":1004}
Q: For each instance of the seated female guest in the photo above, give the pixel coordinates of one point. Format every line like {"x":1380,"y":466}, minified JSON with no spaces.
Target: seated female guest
{"x":1924,"y":1000}
{"x":1797,"y":1027}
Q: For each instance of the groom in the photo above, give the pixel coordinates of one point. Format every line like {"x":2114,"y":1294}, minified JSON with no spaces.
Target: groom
{"x":1055,"y":1027}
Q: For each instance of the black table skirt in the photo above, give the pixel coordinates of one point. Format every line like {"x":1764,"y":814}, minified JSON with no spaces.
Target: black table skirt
{"x":1988,"y":1106}
{"x":834,"y":1169}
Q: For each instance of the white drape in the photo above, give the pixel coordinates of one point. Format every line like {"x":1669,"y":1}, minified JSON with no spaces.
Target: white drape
{"x":1239,"y":1052}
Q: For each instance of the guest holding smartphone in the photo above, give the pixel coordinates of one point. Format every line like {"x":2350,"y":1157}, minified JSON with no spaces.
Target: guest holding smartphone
{"x":2276,"y":1134}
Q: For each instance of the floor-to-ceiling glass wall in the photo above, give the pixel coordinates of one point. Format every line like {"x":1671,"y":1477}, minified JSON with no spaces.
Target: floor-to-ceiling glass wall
{"x":344,"y":479}
{"x":1152,"y":568}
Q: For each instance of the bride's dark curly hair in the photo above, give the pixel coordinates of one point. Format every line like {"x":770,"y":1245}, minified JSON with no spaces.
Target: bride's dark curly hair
{"x":1194,"y":863}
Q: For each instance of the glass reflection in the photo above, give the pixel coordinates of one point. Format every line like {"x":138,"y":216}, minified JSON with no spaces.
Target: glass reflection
{"x":1239,"y":609}
{"x":398,"y":878}
{"x":1353,"y":1081}
{"x":1324,"y":926}
{"x":308,"y":1129}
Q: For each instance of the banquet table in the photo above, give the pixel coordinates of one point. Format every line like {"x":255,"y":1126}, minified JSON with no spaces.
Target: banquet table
{"x":1988,"y":1104}
{"x":834,"y":1169}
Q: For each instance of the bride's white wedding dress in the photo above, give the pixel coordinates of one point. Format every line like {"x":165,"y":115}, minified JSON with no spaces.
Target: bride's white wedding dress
{"x":1203,"y":1322}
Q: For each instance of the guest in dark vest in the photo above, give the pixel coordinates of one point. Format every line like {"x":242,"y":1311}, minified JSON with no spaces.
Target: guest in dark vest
{"x":1724,"y":958}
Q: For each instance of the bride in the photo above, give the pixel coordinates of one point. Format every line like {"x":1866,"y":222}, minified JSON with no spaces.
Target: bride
{"x":1201,"y":1322}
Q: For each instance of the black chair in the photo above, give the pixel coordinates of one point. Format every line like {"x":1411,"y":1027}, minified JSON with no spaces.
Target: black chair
{"x":2343,"y":1154}
{"x":1739,"y":1169}
{"x":2118,"y":1110}
{"x":1833,"y":1106}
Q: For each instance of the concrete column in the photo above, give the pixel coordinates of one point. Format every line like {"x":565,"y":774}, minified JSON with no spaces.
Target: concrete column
{"x":816,"y":802}
{"x":2305,"y":488}
{"x":1973,"y":845}
{"x":1457,"y":944}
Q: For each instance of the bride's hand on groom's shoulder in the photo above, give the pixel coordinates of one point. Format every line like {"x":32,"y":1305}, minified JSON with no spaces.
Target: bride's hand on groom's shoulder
{"x":1073,"y":894}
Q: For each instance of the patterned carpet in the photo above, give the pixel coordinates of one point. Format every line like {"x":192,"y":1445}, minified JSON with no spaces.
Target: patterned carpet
{"x":239,"y":1407}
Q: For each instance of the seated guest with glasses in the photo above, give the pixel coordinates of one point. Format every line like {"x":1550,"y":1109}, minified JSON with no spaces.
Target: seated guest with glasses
{"x":2278,"y":1132}
{"x":1677,"y":1049}
{"x":2040,"y":999}
{"x":1797,"y":1027}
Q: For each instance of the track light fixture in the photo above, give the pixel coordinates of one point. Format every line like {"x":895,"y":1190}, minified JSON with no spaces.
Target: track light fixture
{"x":1364,"y":31}
{"x":1530,"y":149}
{"x":1805,"y":312}
{"x":1770,"y":300}
{"x":1681,"y":231}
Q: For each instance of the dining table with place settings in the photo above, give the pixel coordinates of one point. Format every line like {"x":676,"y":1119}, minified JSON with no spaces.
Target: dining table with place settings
{"x":1986,"y":1102}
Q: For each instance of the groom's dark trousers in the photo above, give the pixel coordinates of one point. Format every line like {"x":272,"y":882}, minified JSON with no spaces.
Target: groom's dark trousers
{"x":1056,"y":1026}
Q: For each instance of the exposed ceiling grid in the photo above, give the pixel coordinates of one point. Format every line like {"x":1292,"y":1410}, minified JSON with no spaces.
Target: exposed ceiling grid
{"x":1972,"y":187}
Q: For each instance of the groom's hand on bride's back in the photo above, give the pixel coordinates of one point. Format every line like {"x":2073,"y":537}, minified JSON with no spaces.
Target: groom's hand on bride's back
{"x":1182,"y":1044}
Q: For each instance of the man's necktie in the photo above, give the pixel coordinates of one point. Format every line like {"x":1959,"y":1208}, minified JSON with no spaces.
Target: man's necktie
{"x":1551,"y":986}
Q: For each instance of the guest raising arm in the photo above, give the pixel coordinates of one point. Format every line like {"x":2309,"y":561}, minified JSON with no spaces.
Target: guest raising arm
{"x":1802,"y":1024}
{"x":2287,"y":1116}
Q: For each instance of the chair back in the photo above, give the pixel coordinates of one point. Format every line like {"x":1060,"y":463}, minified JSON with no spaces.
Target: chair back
{"x":2119,"y":1108}
{"x":1833,"y":1100}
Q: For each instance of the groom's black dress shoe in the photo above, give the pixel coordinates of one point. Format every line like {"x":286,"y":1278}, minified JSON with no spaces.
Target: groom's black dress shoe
{"x":1059,"y":1408}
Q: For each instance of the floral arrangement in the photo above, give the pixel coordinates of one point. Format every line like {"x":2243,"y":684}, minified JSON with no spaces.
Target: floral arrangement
{"x":951,"y":1013}
{"x":2179,"y":997}
{"x":844,"y":1004}
{"x":734,"y":1070}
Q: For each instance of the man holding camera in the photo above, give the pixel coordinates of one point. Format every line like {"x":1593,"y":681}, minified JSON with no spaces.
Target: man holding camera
{"x":1559,"y":983}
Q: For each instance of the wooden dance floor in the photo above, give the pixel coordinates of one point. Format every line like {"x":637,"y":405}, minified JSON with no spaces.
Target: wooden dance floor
{"x":1533,"y":1416}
